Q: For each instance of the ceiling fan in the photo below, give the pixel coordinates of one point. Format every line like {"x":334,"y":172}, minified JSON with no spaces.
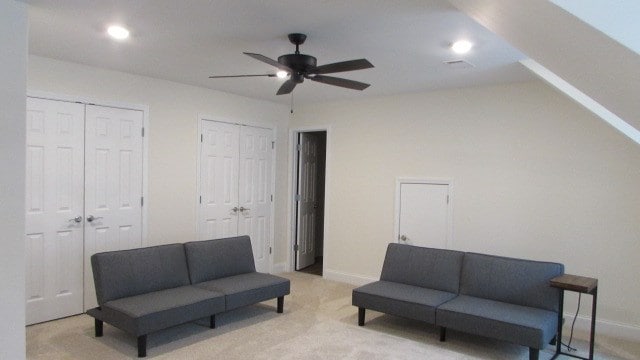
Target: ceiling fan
{"x":300,"y":66}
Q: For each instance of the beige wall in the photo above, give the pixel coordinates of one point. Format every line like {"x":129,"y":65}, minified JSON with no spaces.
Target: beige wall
{"x":173,"y":134}
{"x":534,"y":176}
{"x":13,"y":78}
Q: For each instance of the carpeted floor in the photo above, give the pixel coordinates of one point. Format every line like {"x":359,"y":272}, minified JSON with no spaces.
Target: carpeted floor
{"x":319,"y":322}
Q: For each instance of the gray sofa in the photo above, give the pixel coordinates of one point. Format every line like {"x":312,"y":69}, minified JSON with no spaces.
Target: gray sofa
{"x":498,"y":297}
{"x":144,"y":290}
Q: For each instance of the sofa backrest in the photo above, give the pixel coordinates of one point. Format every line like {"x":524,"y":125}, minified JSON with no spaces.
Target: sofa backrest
{"x":124,"y":273}
{"x":437,"y":269}
{"x":214,"y":259}
{"x":514,"y":281}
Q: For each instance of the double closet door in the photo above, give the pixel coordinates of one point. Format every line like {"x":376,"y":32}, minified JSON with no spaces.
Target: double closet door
{"x":83,"y":195}
{"x":235,"y":185}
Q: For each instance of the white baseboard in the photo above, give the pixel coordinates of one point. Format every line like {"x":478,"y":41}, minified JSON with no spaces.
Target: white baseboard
{"x":603,"y":327}
{"x":352,"y":279}
{"x":583,"y":323}
{"x":279,"y":268}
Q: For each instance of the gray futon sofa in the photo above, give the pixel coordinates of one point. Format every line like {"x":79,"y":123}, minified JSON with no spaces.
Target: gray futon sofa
{"x":503,"y":298}
{"x":144,"y":290}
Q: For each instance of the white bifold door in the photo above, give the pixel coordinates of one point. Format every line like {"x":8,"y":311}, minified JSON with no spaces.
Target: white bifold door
{"x":235,"y":185}
{"x":83,"y":195}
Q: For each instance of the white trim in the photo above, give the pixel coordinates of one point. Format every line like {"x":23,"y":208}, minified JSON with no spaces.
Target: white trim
{"x":264,"y":125}
{"x":145,"y":142}
{"x":353,"y":279}
{"x":604,"y":327}
{"x":434,"y":181}
{"x":293,"y":160}
{"x":582,"y":99}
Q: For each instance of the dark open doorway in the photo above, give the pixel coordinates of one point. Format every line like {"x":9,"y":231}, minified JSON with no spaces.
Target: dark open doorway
{"x":310,"y":172}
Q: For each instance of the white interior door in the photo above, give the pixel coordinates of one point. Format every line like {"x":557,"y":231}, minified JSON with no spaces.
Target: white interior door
{"x":254,"y":215}
{"x":307,"y":200}
{"x":423,"y":216}
{"x":235,"y":185}
{"x":54,"y":209}
{"x":113,"y":184}
{"x":219,"y":154}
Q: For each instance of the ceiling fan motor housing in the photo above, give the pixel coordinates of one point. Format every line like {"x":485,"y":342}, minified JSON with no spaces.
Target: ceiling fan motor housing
{"x":300,"y":63}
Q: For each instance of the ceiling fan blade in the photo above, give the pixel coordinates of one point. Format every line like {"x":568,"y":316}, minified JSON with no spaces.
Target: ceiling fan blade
{"x":350,"y":65}
{"x":287,"y":87}
{"x":239,"y":76}
{"x":269,"y":61}
{"x":345,"y":83}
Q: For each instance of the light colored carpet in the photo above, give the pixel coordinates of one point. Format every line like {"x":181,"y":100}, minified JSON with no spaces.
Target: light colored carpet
{"x":319,"y":322}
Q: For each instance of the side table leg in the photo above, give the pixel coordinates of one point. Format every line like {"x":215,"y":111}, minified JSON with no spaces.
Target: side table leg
{"x":593,"y":323}
{"x":560,"y":317}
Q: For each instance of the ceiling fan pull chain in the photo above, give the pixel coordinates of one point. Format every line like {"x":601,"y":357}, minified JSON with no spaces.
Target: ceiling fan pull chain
{"x":292,"y":102}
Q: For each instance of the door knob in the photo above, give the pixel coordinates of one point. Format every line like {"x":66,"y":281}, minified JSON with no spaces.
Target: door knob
{"x":234,"y":209}
{"x":403,"y":238}
{"x":91,"y":218}
{"x":76,"y":219}
{"x":242,"y":208}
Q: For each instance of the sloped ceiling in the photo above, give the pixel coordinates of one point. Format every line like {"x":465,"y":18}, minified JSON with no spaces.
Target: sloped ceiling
{"x":592,"y":62}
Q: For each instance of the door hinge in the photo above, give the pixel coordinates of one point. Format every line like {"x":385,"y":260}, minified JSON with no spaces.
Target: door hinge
{"x":142,"y":132}
{"x":447,"y":199}
{"x":201,"y":199}
{"x":271,"y":198}
{"x":142,"y":201}
{"x":201,"y":137}
{"x":298,"y":197}
{"x":273,"y":144}
{"x":298,"y":147}
{"x":295,"y":247}
{"x":269,"y":250}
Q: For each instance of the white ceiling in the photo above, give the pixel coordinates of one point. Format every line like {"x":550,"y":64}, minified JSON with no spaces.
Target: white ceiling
{"x":186,"y":41}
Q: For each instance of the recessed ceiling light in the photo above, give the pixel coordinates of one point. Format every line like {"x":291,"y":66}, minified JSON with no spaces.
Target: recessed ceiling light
{"x":118,"y":32}
{"x":461,"y":46}
{"x":282,"y":74}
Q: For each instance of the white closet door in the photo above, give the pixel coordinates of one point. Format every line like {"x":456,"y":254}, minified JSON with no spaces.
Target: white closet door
{"x":218,"y":215}
{"x":307,"y":206}
{"x":113,"y":184}
{"x":54,"y":209}
{"x":255,"y":192}
{"x":424,"y":215}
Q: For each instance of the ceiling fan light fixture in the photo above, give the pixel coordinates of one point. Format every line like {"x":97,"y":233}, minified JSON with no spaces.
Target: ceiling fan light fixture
{"x":118,"y":32}
{"x":282,"y":74}
{"x":461,"y":46}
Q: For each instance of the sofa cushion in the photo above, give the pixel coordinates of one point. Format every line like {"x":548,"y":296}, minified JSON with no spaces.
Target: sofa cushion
{"x":398,"y":299}
{"x":514,"y":281}
{"x":124,"y":273}
{"x":522,"y":325}
{"x":215,"y":259}
{"x":247,"y":289}
{"x":437,"y":269}
{"x":157,"y":310}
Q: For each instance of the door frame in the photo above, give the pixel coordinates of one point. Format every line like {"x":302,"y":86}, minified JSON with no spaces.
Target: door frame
{"x":293,"y":172}
{"x":428,"y":181}
{"x":145,"y":141}
{"x":240,"y":122}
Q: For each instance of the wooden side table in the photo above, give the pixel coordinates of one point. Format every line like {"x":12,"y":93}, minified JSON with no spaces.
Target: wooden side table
{"x":578,"y":284}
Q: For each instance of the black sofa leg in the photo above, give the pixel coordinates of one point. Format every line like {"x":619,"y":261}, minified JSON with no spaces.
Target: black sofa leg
{"x":553,"y":341}
{"x":534,"y":354}
{"x":361,"y":312}
{"x":212,"y":322}
{"x":142,"y":346}
{"x":443,"y":333}
{"x":99,"y":327}
{"x":280,"y":304}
